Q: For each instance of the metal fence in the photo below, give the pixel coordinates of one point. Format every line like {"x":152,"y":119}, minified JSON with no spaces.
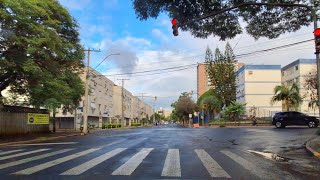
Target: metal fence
{"x":13,"y":120}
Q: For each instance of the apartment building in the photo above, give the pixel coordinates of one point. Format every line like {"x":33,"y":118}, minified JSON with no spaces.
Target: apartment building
{"x":100,"y":104}
{"x":127,"y":104}
{"x":255,"y":88}
{"x":203,"y":81}
{"x":296,"y":72}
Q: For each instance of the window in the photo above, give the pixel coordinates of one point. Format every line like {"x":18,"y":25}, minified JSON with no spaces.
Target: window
{"x":250,"y":72}
{"x":282,"y":73}
{"x":297,"y":67}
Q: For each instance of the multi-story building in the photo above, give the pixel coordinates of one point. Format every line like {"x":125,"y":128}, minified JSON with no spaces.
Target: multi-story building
{"x":296,"y":72}
{"x":203,"y":81}
{"x":255,"y":88}
{"x":127,"y":104}
{"x":100,"y":104}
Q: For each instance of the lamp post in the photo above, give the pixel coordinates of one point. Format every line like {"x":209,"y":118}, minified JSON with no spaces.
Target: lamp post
{"x":86,"y":93}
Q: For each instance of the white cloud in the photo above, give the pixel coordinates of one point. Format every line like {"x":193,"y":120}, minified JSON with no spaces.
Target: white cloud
{"x":75,"y":4}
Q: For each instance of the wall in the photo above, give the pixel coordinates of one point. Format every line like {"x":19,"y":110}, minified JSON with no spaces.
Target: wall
{"x":13,"y":120}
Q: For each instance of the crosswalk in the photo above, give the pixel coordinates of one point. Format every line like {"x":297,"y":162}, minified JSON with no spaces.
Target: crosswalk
{"x":171,"y":165}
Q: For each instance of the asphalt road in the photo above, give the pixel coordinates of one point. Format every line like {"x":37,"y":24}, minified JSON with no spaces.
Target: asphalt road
{"x":166,"y":152}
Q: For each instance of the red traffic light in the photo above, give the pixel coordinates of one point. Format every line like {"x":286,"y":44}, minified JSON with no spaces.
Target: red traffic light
{"x":174,"y":21}
{"x":317,"y":32}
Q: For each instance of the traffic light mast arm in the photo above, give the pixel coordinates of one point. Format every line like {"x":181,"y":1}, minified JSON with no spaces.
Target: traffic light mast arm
{"x":247,"y":4}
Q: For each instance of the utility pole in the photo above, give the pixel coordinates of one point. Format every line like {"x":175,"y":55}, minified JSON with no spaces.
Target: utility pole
{"x":143,"y":108}
{"x":154,"y":111}
{"x":122,"y":102}
{"x":86,"y":93}
{"x":315,"y":26}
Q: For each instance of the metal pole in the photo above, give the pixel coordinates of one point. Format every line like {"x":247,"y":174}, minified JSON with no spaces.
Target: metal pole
{"x":315,"y":26}
{"x":86,"y":98}
{"x":122,"y":111}
{"x":86,"y":93}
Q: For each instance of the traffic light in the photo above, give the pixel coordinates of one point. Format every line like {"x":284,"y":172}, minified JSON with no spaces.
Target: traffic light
{"x":317,"y":40}
{"x":175,"y":27}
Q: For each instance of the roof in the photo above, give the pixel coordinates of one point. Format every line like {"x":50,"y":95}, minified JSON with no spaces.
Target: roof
{"x":261,"y":67}
{"x":299,"y":61}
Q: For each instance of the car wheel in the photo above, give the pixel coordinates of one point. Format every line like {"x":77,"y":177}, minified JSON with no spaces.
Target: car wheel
{"x":311,"y":124}
{"x":278,"y":125}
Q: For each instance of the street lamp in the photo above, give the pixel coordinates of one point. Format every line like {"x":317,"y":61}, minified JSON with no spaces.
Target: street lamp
{"x":86,"y":94}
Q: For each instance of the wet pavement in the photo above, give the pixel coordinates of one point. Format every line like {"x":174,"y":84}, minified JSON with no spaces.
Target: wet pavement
{"x":166,"y":152}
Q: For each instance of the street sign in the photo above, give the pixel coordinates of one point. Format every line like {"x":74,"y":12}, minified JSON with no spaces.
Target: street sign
{"x":34,"y":118}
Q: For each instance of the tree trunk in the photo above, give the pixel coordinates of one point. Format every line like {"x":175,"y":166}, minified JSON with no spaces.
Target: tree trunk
{"x":287,"y":105}
{"x":54,"y":121}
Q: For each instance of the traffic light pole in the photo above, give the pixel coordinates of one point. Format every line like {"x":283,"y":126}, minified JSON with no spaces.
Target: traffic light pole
{"x":315,"y":21}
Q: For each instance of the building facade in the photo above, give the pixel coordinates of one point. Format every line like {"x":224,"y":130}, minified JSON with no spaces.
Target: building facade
{"x":255,"y":88}
{"x":296,"y":72}
{"x":127,"y":105}
{"x":203,"y":83}
{"x":100,"y":104}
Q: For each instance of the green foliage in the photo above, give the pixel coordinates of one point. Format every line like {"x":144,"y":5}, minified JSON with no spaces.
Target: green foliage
{"x":311,"y":86}
{"x":289,"y":95}
{"x":270,"y":21}
{"x":183,"y":107}
{"x":109,"y":126}
{"x":234,"y":110}
{"x":221,"y":72}
{"x":136,"y":124}
{"x":40,"y":51}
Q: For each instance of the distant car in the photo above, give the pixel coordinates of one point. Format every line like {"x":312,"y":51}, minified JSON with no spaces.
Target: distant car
{"x":283,"y":119}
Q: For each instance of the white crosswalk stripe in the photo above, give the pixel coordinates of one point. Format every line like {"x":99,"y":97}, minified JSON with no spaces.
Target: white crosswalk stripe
{"x":90,"y":164}
{"x":49,"y":164}
{"x":172,"y":164}
{"x":247,"y":165}
{"x":22,"y":154}
{"x":131,"y":165}
{"x":22,"y":161}
{"x":211,"y":165}
{"x":9,"y":152}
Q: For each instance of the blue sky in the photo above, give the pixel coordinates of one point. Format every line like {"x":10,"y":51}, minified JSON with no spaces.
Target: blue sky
{"x":112,"y":27}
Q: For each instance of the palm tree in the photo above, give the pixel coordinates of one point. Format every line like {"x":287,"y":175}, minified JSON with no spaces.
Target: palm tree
{"x":289,"y":95}
{"x":213,"y":105}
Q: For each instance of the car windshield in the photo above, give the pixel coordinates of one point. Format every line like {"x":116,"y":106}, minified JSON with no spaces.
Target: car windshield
{"x":158,"y":89}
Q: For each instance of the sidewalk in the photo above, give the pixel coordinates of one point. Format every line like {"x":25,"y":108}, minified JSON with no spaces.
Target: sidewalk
{"x":36,"y":137}
{"x":313,"y":146}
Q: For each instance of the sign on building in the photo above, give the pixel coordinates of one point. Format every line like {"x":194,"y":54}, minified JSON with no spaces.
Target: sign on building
{"x":34,"y":118}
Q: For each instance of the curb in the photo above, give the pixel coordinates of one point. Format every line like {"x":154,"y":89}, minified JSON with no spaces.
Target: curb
{"x":312,"y":151}
{"x":37,"y":140}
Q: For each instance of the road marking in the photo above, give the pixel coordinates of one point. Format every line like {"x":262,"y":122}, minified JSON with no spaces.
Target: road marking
{"x":44,"y":144}
{"x":211,"y":165}
{"x":131,"y":165}
{"x":22,"y":161}
{"x":92,"y":163}
{"x":172,"y":164}
{"x":9,"y":152}
{"x":22,"y":154}
{"x":49,"y":164}
{"x":247,"y":165}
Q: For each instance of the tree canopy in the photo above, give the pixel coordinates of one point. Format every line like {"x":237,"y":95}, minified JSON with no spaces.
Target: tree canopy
{"x":221,"y":73}
{"x":289,"y":95}
{"x":259,"y":21}
{"x":183,"y":107}
{"x":40,"y":52}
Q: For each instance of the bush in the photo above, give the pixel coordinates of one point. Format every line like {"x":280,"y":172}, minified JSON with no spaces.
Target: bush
{"x":109,"y":126}
{"x":135,"y":124}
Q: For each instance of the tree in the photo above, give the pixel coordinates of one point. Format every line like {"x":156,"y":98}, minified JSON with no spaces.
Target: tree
{"x":311,"y":86}
{"x":213,"y":103}
{"x":261,"y":21}
{"x":40,"y":51}
{"x":234,"y":110}
{"x":183,"y":107}
{"x":221,"y":73}
{"x":289,"y":95}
